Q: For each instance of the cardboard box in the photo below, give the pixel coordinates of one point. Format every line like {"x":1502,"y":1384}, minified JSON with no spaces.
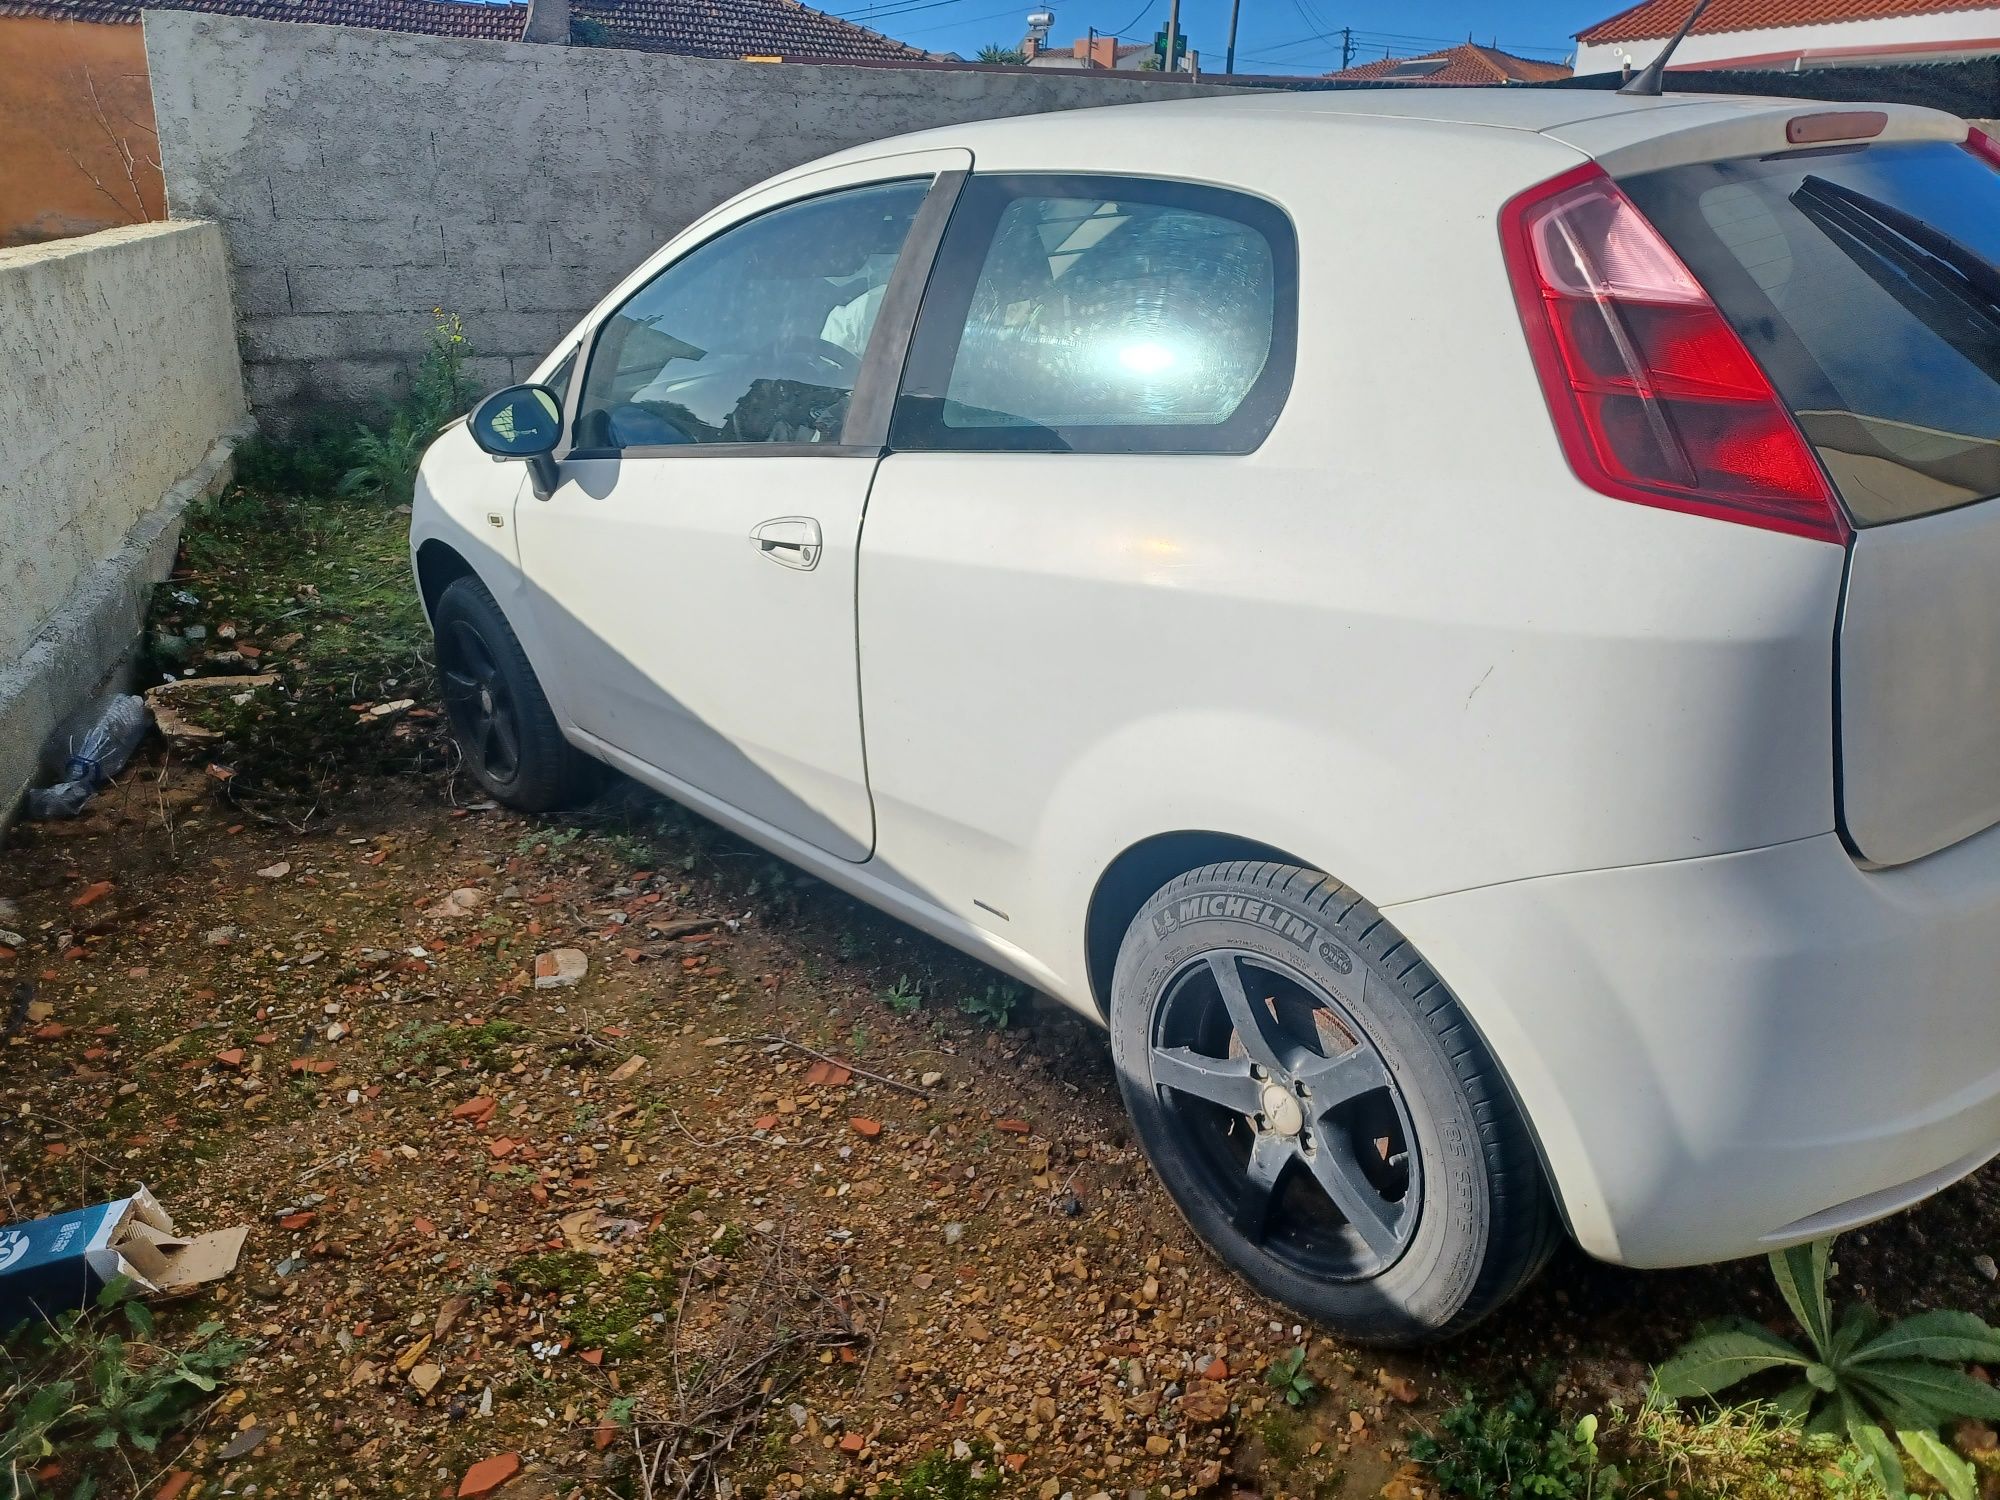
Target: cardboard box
{"x":51,"y":1265}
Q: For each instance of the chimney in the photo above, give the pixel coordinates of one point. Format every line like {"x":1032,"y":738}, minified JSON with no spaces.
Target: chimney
{"x":548,"y":21}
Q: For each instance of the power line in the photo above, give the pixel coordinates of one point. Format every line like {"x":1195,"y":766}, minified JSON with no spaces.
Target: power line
{"x":1012,"y":10}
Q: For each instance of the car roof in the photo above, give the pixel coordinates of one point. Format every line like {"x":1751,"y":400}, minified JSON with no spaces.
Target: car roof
{"x":1597,"y":123}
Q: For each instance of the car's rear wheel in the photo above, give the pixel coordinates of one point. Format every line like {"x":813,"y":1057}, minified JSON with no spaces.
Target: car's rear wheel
{"x":498,"y":712}
{"x":1318,"y":1107}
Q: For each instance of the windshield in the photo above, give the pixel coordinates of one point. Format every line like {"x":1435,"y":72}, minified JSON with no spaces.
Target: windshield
{"x":1867,"y":282}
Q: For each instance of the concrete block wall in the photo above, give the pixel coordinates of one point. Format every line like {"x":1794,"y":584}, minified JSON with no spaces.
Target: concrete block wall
{"x":364,"y":178}
{"x":120,"y":395}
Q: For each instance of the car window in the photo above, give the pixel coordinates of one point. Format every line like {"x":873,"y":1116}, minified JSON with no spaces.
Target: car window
{"x":1103,"y":314}
{"x":1866,"y":281}
{"x":755,"y":336}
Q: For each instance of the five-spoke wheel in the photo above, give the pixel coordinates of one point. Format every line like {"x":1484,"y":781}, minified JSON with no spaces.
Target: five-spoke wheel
{"x":1319,"y":1108}
{"x":1305,"y":1130}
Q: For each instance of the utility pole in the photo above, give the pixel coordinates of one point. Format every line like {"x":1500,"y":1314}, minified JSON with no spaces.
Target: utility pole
{"x":1173,"y":33}
{"x":1229,"y":57}
{"x":1090,"y":50}
{"x":1346,"y":47}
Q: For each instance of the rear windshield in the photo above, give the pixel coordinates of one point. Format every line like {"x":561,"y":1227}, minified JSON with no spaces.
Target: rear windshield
{"x":1867,"y":281}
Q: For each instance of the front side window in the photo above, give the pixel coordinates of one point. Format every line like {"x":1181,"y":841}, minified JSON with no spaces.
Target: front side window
{"x":1103,"y":314}
{"x":753,"y":337}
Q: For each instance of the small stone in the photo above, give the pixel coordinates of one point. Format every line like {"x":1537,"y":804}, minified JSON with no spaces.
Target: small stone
{"x":1206,"y":1402}
{"x":486,"y":1476}
{"x":864,"y":1126}
{"x":1983,"y":1264}
{"x":559,"y":968}
{"x":462,"y":902}
{"x":425,"y":1377}
{"x":954,"y":1232}
{"x":931,"y":1080}
{"x":245,"y":1442}
{"x":276,"y":872}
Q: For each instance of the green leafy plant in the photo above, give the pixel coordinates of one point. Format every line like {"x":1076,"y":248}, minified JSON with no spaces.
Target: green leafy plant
{"x":1287,"y":1376}
{"x":995,"y":1004}
{"x":385,"y":458}
{"x":993,"y":52}
{"x":1517,"y":1447}
{"x":94,"y":1385}
{"x":1860,"y":1377}
{"x":905,"y":997}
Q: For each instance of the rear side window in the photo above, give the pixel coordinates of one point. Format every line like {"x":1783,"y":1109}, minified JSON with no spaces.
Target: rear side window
{"x":1103,"y":315}
{"x":1867,"y":282}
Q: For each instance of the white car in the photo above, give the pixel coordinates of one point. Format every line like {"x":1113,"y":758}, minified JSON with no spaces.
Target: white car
{"x":1463,"y":625}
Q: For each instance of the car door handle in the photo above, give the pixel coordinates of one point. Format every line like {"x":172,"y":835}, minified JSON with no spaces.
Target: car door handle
{"x":789,"y":541}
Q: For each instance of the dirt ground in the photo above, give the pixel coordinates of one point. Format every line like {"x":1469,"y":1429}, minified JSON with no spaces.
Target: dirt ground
{"x":492,"y":1217}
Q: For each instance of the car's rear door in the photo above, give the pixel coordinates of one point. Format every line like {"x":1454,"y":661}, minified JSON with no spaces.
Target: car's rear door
{"x":1866,"y":279}
{"x":695,"y":566}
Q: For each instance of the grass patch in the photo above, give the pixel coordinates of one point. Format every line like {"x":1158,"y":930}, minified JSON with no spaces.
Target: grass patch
{"x":87,"y":1401}
{"x":317,"y":591}
{"x":943,"y":1477}
{"x":600,"y":1309}
{"x":486,"y":1048}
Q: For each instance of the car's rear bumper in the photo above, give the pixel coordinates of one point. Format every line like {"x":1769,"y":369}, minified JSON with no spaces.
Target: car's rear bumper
{"x":1720,"y":1056}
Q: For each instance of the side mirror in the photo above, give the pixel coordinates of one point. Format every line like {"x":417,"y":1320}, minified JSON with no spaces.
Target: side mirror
{"x":522,"y":421}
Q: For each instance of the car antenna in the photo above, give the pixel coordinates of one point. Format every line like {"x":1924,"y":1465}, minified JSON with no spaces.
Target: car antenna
{"x":1651,"y":81}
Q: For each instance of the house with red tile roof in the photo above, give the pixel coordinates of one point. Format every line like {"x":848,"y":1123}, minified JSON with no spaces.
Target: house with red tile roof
{"x":1789,"y":34}
{"x":1465,"y":66}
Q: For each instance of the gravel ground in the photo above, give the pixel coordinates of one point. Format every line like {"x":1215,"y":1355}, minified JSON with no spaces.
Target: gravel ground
{"x":496,"y":1218}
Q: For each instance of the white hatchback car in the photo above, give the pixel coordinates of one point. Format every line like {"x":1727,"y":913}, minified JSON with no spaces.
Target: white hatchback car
{"x":1461,"y":624}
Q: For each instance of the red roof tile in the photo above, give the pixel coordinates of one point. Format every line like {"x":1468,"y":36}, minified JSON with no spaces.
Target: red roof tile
{"x":1465,"y":65}
{"x":1652,"y":19}
{"x":704,"y":28}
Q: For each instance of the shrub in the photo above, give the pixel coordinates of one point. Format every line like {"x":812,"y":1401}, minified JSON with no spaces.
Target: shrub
{"x":385,"y":458}
{"x":1859,"y":1378}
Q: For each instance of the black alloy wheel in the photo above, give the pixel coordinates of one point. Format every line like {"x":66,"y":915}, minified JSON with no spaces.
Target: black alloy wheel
{"x":512,"y":744}
{"x":1320,"y":1109}
{"x":1288,"y":1106}
{"x":481,"y":705}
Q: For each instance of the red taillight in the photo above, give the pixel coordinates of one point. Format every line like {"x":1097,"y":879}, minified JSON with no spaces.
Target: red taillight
{"x":1979,"y":143}
{"x":1655,"y":397}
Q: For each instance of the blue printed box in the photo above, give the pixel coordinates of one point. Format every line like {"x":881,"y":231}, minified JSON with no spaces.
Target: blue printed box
{"x":48,"y":1266}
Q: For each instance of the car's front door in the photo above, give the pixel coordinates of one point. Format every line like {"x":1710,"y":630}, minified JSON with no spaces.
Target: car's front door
{"x":695,"y":565}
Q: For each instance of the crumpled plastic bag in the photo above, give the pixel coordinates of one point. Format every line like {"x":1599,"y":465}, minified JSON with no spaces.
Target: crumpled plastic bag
{"x":97,"y":756}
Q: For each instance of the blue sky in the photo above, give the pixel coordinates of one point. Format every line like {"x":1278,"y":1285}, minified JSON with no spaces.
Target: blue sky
{"x":1273,"y":36}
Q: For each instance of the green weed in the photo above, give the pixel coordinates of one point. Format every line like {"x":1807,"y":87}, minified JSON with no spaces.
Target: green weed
{"x":93,"y":1387}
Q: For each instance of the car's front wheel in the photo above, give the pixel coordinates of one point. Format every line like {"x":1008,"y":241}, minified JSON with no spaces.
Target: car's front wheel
{"x":499,"y":715}
{"x":1320,"y":1109}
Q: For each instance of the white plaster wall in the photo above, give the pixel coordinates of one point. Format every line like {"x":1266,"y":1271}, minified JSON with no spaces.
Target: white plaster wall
{"x":119,"y":380}
{"x":364,"y":178}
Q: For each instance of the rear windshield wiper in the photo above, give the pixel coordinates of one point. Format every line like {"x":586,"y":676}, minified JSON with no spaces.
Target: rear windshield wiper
{"x":1944,"y":269}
